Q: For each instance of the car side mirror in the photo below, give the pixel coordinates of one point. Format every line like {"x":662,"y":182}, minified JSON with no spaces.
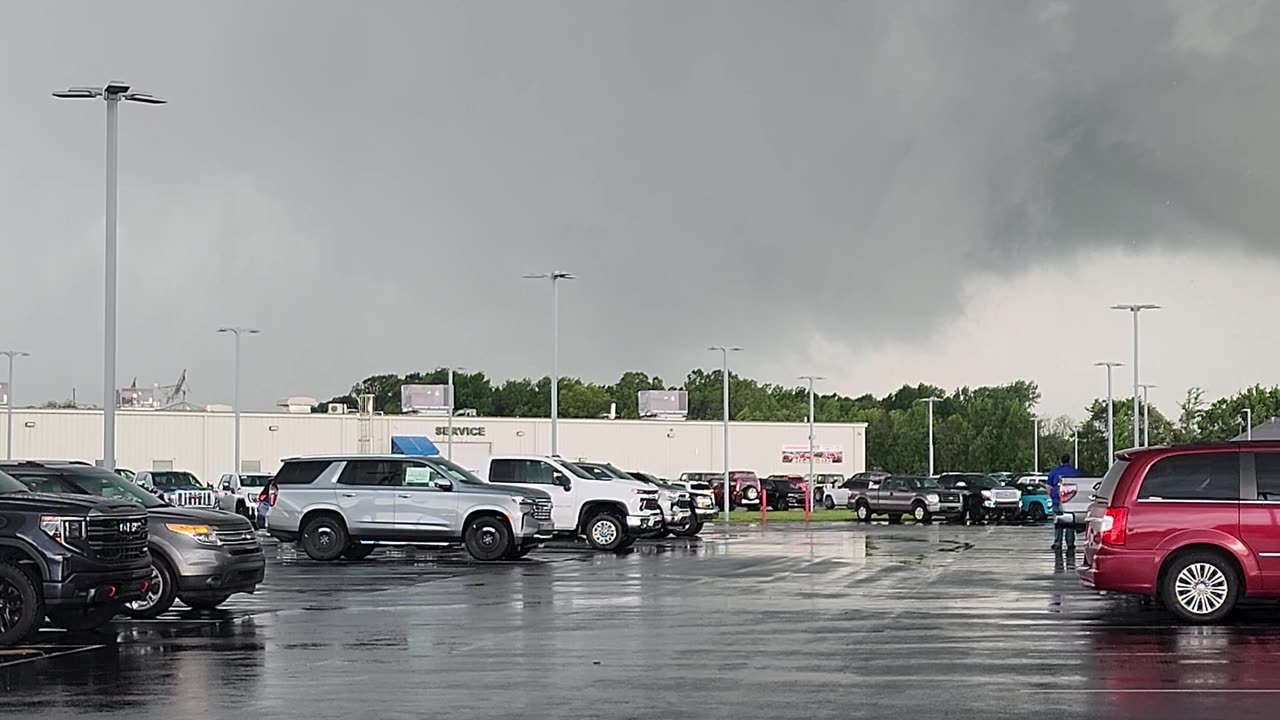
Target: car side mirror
{"x":561,"y":480}
{"x":442,"y":484}
{"x":226,"y":486}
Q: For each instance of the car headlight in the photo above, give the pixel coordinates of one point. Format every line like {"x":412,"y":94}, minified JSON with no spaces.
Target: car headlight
{"x":986,"y":494}
{"x":642,"y":491}
{"x":62,"y":529}
{"x":932,"y":499}
{"x":202,"y":534}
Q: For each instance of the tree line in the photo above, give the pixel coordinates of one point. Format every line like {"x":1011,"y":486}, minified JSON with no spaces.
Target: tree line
{"x":981,"y":429}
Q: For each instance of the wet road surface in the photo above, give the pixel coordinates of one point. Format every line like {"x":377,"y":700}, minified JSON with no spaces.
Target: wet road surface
{"x":838,"y":621}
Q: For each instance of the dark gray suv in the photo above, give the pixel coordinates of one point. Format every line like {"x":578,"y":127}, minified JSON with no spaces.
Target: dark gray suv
{"x":201,"y":557}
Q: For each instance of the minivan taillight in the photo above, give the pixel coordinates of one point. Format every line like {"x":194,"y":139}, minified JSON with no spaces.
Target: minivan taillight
{"x":1113,"y":530}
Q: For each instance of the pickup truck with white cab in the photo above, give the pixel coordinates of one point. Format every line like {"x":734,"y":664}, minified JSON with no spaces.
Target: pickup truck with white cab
{"x":610,"y":513}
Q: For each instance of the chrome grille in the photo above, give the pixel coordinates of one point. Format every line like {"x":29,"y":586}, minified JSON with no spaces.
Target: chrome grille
{"x":682,"y":502}
{"x":117,"y":539}
{"x":192,"y":498}
{"x":237,"y":537}
{"x":649,"y":503}
{"x":542,"y":509}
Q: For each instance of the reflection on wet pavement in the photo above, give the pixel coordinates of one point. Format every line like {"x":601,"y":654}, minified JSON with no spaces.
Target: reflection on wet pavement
{"x":782,"y":621}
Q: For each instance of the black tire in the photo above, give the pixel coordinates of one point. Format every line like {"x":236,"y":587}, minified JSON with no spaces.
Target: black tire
{"x":1200,"y":586}
{"x":519,"y":552}
{"x":829,"y":502}
{"x":862,"y":511}
{"x":605,"y":531}
{"x":780,"y":503}
{"x":358,"y":551}
{"x":691,"y":530}
{"x":242,"y":510}
{"x":82,"y":619}
{"x":324,"y":538}
{"x":21,"y":605}
{"x":921,"y":514}
{"x":162,"y":590}
{"x":1036,"y":512}
{"x":488,"y":538}
{"x":205,"y":602}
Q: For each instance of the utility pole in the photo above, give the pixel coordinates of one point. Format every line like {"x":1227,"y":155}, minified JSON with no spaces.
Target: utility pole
{"x":808,"y":499}
{"x":555,"y":276}
{"x":1136,"y":309}
{"x":8,"y":401}
{"x":1111,"y":415}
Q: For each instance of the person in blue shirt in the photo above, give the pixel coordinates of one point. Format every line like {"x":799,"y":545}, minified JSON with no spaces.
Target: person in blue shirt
{"x":1060,"y":532}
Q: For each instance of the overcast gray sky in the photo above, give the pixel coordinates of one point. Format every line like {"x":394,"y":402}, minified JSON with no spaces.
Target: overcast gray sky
{"x":885,"y":192}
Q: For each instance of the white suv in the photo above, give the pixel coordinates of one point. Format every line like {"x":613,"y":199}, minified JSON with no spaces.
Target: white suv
{"x":610,"y":514}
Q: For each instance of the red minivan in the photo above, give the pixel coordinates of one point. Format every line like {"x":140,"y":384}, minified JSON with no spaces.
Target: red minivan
{"x":1197,"y":526}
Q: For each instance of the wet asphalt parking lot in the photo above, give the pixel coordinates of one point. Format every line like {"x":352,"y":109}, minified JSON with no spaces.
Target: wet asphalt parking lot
{"x":835,"y":620}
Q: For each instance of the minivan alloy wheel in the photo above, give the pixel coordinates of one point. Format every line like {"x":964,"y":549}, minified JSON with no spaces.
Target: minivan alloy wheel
{"x":1201,"y":588}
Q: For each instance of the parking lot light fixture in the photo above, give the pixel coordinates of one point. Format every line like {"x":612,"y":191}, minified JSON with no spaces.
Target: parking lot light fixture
{"x":555,"y":276}
{"x":724,"y":351}
{"x":1035,"y":446}
{"x":1111,"y":415}
{"x":112,"y":93}
{"x":931,"y":401}
{"x":1246,"y":415}
{"x":1146,"y":415}
{"x":808,"y":495}
{"x":8,"y":400}
{"x":237,"y":331}
{"x":1136,"y":309}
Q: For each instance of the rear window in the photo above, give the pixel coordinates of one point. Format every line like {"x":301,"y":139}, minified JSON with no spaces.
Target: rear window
{"x":301,"y":472}
{"x":1199,"y":476}
{"x":1109,"y":481}
{"x":1267,"y":466}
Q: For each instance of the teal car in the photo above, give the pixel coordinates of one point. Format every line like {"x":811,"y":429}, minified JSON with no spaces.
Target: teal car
{"x":1037,"y":505}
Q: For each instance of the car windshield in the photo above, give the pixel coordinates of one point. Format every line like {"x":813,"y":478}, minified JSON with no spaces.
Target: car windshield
{"x":575,"y":470}
{"x":254,"y":481}
{"x":9,"y":485}
{"x":175,"y":480}
{"x":925,"y":484}
{"x":455,"y":471}
{"x":91,"y":481}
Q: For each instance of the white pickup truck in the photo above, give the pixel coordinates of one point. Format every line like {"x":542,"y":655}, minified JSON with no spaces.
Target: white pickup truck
{"x":1077,"y":495}
{"x":610,"y":514}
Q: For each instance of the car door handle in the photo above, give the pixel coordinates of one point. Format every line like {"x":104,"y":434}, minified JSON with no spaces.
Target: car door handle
{"x":348,"y":495}
{"x":406,"y":496}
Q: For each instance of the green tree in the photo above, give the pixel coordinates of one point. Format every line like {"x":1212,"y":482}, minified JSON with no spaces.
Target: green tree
{"x":1223,"y":419}
{"x":626,"y":391}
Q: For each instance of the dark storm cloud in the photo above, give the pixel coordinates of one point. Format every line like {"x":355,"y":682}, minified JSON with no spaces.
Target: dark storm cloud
{"x":367,"y":182}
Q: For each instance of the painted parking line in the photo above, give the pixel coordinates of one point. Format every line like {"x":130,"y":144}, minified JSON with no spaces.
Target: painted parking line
{"x":34,"y":654}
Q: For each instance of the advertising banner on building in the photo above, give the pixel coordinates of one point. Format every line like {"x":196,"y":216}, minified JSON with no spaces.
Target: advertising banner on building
{"x":799,"y":454}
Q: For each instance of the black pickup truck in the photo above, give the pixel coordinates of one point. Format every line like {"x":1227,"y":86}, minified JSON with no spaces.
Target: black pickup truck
{"x":76,"y":560}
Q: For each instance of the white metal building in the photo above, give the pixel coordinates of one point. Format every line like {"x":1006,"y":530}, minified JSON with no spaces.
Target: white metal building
{"x":203,"y":442}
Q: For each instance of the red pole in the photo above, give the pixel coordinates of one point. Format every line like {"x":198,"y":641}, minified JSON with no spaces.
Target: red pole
{"x":764,"y":505}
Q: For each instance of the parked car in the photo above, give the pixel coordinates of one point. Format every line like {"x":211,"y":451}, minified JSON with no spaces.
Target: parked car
{"x":239,"y":493}
{"x":920,"y":497}
{"x":75,"y":559}
{"x":610,"y":514}
{"x":783,"y":492}
{"x":1197,"y":526}
{"x":676,"y":507}
{"x":126,"y":473}
{"x":985,"y":498}
{"x":348,"y":505}
{"x":701,"y":498}
{"x":838,"y":496}
{"x":178,"y":488}
{"x":822,"y":481}
{"x":1035,"y":502}
{"x":744,"y":490}
{"x":201,"y":557}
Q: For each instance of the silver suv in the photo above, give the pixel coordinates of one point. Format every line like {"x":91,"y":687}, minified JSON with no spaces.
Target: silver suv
{"x":345,"y":506}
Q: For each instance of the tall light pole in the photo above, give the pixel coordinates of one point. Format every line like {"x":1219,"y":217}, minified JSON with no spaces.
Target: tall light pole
{"x":1247,"y":412}
{"x":808,"y":500}
{"x":449,"y":438}
{"x":1136,"y":309}
{"x":113,"y":93}
{"x":1035,"y":448}
{"x":1146,"y":415}
{"x":238,"y":331}
{"x":1076,"y":437}
{"x":555,"y":276}
{"x":1111,"y":415}
{"x":8,"y":401}
{"x":724,"y":375}
{"x":931,"y":401}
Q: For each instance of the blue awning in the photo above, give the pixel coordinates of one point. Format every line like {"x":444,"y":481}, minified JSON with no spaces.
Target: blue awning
{"x":413,"y":445}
